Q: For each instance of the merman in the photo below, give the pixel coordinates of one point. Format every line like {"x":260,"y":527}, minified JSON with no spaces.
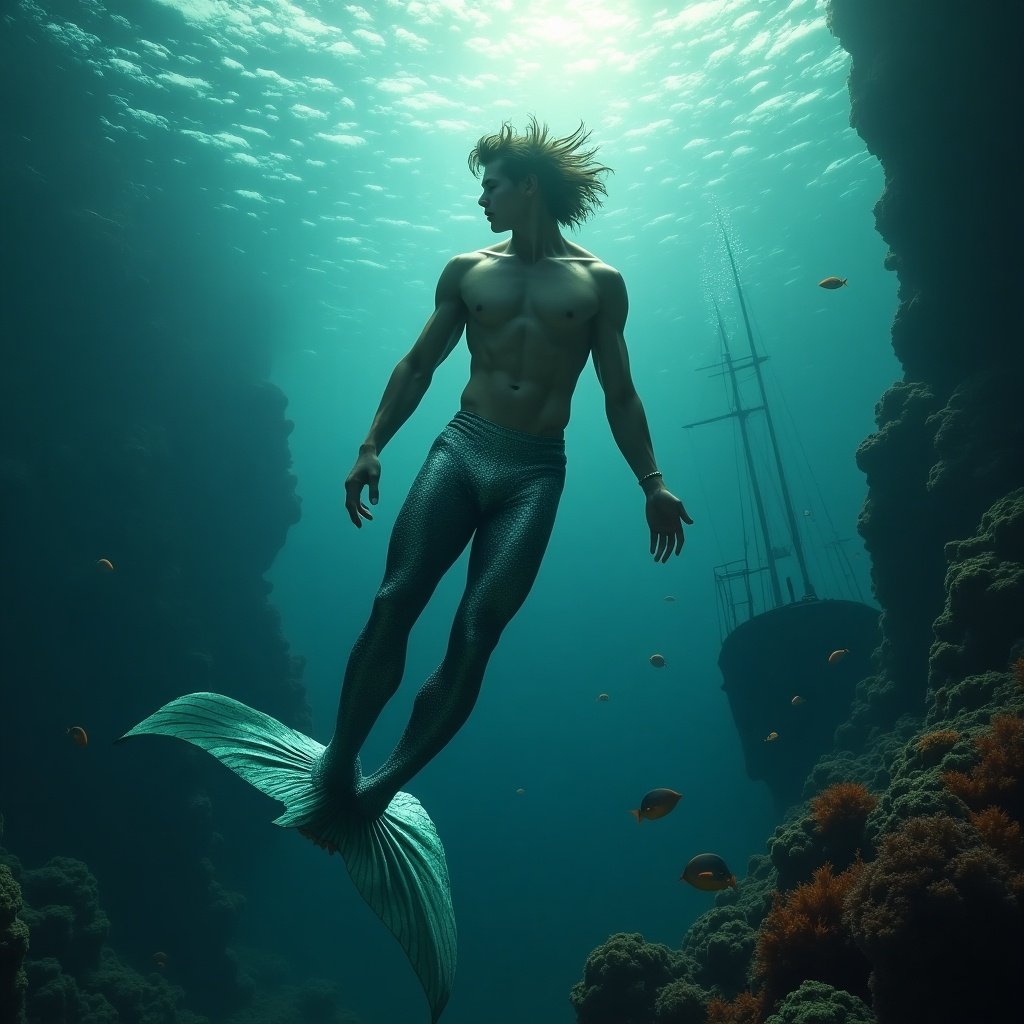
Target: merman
{"x":534,"y":308}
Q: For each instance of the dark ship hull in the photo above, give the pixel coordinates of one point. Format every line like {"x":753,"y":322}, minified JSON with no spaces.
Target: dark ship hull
{"x":783,"y":653}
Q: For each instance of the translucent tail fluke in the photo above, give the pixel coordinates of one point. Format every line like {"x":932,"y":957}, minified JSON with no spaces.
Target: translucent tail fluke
{"x":396,"y":861}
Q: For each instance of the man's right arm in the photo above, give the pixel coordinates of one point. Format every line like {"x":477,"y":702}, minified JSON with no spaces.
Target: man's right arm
{"x":412,"y":375}
{"x":408,"y":384}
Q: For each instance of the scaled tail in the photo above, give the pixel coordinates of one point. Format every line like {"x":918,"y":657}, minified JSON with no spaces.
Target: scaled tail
{"x":396,"y":861}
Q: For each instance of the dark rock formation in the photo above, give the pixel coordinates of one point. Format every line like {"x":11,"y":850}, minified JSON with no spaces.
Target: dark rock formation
{"x":136,"y":425}
{"x":13,"y":946}
{"x":929,"y":87}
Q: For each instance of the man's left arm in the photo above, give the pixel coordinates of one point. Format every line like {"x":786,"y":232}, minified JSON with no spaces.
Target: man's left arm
{"x":626,"y":416}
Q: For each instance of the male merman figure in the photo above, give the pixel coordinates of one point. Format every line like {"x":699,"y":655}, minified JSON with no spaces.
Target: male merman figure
{"x":534,"y":307}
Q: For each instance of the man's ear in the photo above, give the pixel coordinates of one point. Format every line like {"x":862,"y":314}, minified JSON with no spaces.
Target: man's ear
{"x":530,"y":185}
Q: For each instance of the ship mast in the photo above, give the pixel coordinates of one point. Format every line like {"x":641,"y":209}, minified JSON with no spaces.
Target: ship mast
{"x":756,"y":362}
{"x":741,"y":413}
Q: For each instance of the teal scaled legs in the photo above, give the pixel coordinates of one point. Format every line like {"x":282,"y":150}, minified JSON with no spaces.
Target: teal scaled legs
{"x":499,"y":486}
{"x":479,"y":478}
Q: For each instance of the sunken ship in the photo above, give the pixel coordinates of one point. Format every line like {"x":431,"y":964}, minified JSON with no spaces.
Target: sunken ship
{"x":790,"y":655}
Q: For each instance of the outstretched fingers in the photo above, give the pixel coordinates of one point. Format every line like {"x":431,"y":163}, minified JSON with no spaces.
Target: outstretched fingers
{"x":663,"y":544}
{"x":665,"y":517}
{"x":357,"y":511}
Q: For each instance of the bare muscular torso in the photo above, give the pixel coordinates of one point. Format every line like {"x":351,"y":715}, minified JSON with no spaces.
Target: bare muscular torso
{"x":528,"y":328}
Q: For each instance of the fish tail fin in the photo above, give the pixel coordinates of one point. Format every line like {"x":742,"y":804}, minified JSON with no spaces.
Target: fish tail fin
{"x":397,"y":864}
{"x":636,"y":814}
{"x":396,"y":861}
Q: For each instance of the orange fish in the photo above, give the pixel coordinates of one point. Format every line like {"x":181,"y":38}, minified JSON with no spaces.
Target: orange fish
{"x":797,"y":701}
{"x":837,"y":656}
{"x":709,"y":873}
{"x":602,"y":696}
{"x":78,"y":736}
{"x":657,"y":660}
{"x":771,"y":737}
{"x":105,"y":564}
{"x":656,"y":804}
{"x":832,"y":283}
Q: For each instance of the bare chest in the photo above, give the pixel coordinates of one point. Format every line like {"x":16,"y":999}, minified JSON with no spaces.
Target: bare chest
{"x":556,"y":295}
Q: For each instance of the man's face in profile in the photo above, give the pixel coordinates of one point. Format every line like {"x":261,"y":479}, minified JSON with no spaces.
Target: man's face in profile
{"x":504,"y":202}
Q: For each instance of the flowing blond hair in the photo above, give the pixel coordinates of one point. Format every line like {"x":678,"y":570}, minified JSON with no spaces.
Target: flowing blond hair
{"x":568,"y":175}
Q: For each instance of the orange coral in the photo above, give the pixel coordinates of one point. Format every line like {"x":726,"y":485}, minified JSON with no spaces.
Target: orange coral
{"x":746,"y":1008}
{"x":942,"y":739}
{"x":935,"y":914}
{"x":1002,"y":833}
{"x":998,"y":777}
{"x":803,"y":937}
{"x":842,"y":808}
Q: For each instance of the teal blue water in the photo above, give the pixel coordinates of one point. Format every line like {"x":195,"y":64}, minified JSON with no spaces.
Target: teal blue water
{"x":328,"y":142}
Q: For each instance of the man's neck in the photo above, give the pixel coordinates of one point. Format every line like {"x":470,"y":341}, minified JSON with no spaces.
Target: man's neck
{"x":536,"y":240}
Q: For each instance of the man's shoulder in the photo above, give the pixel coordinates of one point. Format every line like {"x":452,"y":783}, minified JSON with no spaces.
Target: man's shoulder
{"x":601,"y":270}
{"x":604,"y":272}
{"x":607,"y":279}
{"x":457,"y":267}
{"x":466,"y":260}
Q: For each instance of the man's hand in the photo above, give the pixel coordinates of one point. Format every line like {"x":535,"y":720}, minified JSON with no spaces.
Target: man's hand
{"x":665,"y":517}
{"x":365,"y":473}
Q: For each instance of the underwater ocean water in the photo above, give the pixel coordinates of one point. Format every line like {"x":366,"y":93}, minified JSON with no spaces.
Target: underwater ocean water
{"x":319,"y":150}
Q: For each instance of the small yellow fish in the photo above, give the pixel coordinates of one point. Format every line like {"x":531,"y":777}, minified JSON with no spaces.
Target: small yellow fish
{"x":105,"y":564}
{"x":771,"y":737}
{"x":832,"y":283}
{"x":78,"y":736}
{"x":602,"y":696}
{"x":657,"y":660}
{"x":656,"y":804}
{"x":797,"y":701}
{"x":709,"y":873}
{"x":837,"y":656}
